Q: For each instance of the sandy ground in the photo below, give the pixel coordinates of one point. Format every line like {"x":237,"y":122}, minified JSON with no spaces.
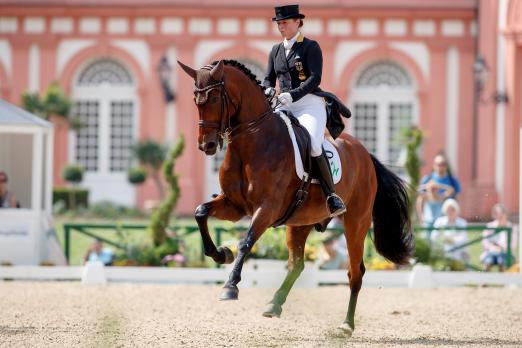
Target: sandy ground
{"x":128,"y":315}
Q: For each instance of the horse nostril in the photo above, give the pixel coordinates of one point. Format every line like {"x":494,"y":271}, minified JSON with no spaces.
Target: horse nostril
{"x":210,"y":146}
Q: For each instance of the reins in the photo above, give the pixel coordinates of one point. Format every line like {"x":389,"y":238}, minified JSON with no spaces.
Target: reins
{"x":225,"y":129}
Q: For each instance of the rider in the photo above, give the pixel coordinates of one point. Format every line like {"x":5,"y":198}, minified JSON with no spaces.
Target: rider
{"x":297,"y":62}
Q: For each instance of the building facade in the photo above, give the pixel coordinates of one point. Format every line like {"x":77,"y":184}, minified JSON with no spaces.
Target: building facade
{"x":394,"y":62}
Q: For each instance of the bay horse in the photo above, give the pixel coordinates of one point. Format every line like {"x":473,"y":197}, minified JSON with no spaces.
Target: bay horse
{"x":258,"y":180}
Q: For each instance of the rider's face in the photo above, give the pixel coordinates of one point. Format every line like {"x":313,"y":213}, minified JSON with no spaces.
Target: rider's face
{"x":288,"y":27}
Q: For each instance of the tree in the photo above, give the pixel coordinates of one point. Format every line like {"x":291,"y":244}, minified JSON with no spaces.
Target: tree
{"x":161,"y":217}
{"x":73,"y":173}
{"x":151,"y":155}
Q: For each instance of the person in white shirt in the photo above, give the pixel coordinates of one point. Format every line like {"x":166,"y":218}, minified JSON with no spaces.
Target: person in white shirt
{"x":451,"y":238}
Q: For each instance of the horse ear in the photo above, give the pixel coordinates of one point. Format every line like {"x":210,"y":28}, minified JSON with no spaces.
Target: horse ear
{"x":217,"y":72}
{"x":191,"y":72}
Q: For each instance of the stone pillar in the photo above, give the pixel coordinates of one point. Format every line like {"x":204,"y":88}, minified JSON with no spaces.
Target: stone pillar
{"x":191,"y":165}
{"x":61,"y":148}
{"x":434,"y":124}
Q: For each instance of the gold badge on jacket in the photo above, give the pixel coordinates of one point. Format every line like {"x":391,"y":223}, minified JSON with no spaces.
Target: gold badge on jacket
{"x":299,"y":67}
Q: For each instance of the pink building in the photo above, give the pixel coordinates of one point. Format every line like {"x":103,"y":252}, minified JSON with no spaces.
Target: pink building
{"x":394,"y":62}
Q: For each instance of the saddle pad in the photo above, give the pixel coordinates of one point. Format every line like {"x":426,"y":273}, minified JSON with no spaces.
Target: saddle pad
{"x":329,"y":148}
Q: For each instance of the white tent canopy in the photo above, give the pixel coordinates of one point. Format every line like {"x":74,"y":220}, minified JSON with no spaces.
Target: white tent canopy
{"x":26,"y":155}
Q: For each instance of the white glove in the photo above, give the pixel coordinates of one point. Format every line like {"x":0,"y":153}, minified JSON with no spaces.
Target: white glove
{"x":270,"y":92}
{"x":285,"y":98}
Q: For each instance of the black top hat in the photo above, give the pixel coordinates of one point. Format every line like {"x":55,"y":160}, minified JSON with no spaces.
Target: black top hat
{"x":286,"y":12}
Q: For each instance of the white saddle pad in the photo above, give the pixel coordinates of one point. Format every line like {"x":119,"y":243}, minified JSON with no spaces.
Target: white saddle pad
{"x":331,"y":153}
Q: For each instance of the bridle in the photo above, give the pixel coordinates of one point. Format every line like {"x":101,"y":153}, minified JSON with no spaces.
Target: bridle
{"x":225,"y":129}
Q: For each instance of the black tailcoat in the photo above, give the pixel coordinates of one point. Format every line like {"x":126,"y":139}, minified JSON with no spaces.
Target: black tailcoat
{"x":300,"y":74}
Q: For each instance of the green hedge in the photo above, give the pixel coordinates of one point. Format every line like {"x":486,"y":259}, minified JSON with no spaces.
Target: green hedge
{"x":64,"y":194}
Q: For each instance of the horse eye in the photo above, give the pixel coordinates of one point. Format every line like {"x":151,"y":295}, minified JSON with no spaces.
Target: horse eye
{"x":214,"y":99}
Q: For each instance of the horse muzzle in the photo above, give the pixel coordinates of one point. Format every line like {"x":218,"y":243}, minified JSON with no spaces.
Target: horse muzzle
{"x":209,"y":148}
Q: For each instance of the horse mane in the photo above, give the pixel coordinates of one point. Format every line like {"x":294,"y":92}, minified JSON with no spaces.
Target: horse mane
{"x":243,"y":69}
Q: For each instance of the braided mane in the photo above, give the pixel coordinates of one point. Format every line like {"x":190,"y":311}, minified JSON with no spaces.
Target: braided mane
{"x":243,"y":69}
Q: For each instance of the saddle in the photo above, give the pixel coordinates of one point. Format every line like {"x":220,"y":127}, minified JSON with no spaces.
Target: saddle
{"x":304,"y":143}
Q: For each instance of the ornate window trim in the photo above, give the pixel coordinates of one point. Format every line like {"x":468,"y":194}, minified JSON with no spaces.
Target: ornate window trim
{"x":104,"y":71}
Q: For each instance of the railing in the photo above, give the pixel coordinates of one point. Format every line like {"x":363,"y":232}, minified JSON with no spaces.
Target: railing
{"x":87,"y":229}
{"x":475,"y":229}
{"x":219,"y":231}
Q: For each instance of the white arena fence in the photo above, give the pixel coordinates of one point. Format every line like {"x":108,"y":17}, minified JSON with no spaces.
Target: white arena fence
{"x":258,"y":275}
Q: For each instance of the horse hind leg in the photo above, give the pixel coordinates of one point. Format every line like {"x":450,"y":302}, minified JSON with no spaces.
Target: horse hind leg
{"x":295,"y":241}
{"x":356,"y":229}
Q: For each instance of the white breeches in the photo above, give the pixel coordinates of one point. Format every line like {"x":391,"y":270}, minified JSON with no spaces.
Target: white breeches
{"x":311,"y":113}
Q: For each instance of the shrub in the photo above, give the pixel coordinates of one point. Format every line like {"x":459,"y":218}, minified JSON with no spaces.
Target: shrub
{"x":63,"y":194}
{"x":136,"y":175}
{"x":161,"y":217}
{"x":73,"y":173}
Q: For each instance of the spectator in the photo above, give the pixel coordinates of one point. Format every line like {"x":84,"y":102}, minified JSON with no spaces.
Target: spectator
{"x":495,"y":246}
{"x":332,"y":256}
{"x":451,"y":238}
{"x":7,"y":198}
{"x":97,"y":252}
{"x":435,"y":188}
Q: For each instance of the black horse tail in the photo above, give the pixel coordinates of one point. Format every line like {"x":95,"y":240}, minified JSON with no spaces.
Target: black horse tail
{"x":393,"y":236}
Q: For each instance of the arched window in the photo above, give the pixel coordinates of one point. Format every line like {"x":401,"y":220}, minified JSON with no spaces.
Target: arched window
{"x":105,"y":103}
{"x":385,"y":73}
{"x":105,"y":71}
{"x":384,"y":102}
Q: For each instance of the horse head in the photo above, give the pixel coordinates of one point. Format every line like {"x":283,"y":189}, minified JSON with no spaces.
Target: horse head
{"x":214,"y":104}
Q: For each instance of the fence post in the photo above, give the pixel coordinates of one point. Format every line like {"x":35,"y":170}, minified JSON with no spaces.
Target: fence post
{"x":508,"y":251}
{"x":67,"y":241}
{"x":519,"y":203}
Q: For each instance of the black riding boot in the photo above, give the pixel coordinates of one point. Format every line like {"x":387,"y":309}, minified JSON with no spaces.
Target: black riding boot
{"x":334,"y":202}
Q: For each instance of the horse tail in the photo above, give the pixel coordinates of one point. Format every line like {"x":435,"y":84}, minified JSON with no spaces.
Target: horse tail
{"x":393,"y":236}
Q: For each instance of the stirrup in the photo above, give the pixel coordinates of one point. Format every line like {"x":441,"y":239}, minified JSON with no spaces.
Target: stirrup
{"x":337,"y":210}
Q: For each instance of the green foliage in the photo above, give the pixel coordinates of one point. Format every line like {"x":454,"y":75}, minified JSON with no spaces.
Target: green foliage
{"x":110,"y":211}
{"x":433,"y":255}
{"x":56,"y":101}
{"x":137,"y":175}
{"x":272,"y":245}
{"x":32,"y":103}
{"x":73,"y":173}
{"x":161,"y":217}
{"x":150,"y":153}
{"x":149,"y":255}
{"x":412,"y":137}
{"x":53,"y":102}
{"x":62,"y":195}
{"x":422,"y":252}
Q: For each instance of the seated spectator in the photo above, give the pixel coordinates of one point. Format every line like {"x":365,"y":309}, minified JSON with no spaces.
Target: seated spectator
{"x":495,"y":246}
{"x":7,"y":198}
{"x":435,"y":188}
{"x":451,"y":238}
{"x":332,"y":256}
{"x":97,"y":252}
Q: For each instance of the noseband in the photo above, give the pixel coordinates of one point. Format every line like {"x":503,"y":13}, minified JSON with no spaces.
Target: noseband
{"x":224,"y":127}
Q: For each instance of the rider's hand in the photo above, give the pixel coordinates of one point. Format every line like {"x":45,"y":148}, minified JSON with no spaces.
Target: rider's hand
{"x":285,"y":98}
{"x":270,"y":92}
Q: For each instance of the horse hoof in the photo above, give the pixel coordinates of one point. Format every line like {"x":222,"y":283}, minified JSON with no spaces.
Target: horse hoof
{"x":229,"y":257}
{"x":346,"y":329}
{"x":230,"y":293}
{"x":272,"y":310}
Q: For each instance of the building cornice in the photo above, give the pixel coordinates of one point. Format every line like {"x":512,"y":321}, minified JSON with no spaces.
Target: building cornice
{"x":323,"y":4}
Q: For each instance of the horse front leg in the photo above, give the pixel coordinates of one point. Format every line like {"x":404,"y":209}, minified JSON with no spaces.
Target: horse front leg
{"x":259,"y":224}
{"x":221,"y":208}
